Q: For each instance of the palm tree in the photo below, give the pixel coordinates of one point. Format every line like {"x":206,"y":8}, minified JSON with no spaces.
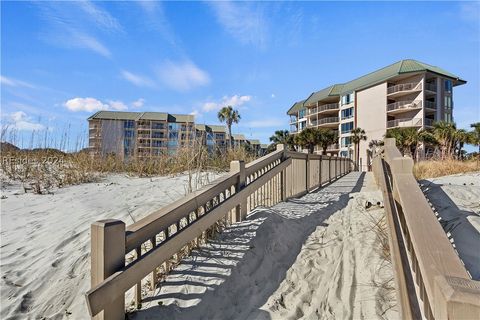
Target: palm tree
{"x":283,"y":137}
{"x":308,"y":139}
{"x":476,"y":136}
{"x":444,"y":133}
{"x":358,"y":134}
{"x":409,"y":140}
{"x":229,"y":116}
{"x":327,"y":137}
{"x":462,"y":137}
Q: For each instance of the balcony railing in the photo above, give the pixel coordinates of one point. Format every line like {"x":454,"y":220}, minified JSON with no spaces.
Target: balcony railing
{"x":429,"y":122}
{"x":430,"y":105}
{"x":325,"y":107}
{"x":325,"y":121}
{"x":404,"y":87}
{"x":431,"y":87}
{"x":404,"y":105}
{"x":415,"y":122}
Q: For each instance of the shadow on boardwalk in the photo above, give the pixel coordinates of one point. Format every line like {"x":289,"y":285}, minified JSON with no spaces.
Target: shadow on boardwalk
{"x":234,"y":275}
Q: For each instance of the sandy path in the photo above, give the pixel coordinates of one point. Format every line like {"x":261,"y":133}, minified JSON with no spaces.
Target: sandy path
{"x":457,"y":200}
{"x":45,"y":240}
{"x":313,"y":257}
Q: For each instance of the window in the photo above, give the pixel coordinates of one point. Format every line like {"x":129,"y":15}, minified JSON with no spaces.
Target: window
{"x":347,"y":113}
{"x":173,"y":135}
{"x":172,"y":126}
{"x":448,"y":85}
{"x":448,"y":102}
{"x":128,"y":133}
{"x":348,"y":98}
{"x":346,"y":141}
{"x":347,"y":127}
{"x":158,"y":125}
{"x":301,"y":113}
{"x":128,"y":124}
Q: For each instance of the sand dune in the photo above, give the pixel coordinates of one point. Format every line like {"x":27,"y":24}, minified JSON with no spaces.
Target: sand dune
{"x":45,"y":240}
{"x":313,"y":257}
{"x":457,"y":200}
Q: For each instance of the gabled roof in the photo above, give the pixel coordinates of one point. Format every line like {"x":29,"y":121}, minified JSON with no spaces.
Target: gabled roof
{"x":217,"y":128}
{"x":332,"y":91}
{"x":240,"y":137}
{"x":393,"y":70}
{"x":254,"y":141}
{"x":115,"y":115}
{"x":155,"y":116}
{"x":296,"y":106}
{"x":181,"y":118}
{"x":201,"y":127}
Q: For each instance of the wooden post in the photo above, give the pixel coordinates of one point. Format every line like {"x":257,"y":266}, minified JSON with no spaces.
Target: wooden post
{"x":138,"y":286}
{"x":283,"y":177}
{"x":154,"y":278}
{"x":320,"y":172}
{"x":307,"y":171}
{"x":108,"y":257}
{"x":240,"y":210}
{"x":329,"y":169}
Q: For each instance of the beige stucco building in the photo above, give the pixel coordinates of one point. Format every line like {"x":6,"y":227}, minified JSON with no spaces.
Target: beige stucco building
{"x":407,"y":93}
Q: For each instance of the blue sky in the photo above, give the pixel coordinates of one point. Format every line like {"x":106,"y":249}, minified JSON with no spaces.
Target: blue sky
{"x":62,"y":61}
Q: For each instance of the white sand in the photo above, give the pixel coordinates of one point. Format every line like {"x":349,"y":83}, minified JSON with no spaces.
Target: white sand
{"x":45,"y":240}
{"x":457,"y":200}
{"x":314,"y":258}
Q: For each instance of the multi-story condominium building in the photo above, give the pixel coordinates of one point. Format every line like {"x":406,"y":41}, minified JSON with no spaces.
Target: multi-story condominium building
{"x":407,"y":93}
{"x":238,"y":140}
{"x":147,"y":134}
{"x":139,"y":134}
{"x":212,"y":136}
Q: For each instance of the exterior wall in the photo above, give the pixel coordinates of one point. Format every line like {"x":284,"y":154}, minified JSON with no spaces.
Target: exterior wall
{"x":112,"y":137}
{"x":371,"y":116}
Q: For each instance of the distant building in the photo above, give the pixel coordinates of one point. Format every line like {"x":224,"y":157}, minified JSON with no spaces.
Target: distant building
{"x":139,"y":134}
{"x":407,"y":93}
{"x":239,"y":140}
{"x":147,"y":134}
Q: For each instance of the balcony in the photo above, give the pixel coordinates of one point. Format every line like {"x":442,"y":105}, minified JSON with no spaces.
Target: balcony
{"x":323,"y":108}
{"x":144,"y":127}
{"x":403,"y":123}
{"x":432,"y":87}
{"x":402,"y":106}
{"x":404,"y":89}
{"x":430,"y":105}
{"x":326,"y":122}
{"x":429,"y":122}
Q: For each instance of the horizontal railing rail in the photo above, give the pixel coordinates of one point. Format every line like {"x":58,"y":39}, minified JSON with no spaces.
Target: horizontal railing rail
{"x":404,"y":105}
{"x":415,"y":122}
{"x":431,"y":87}
{"x":325,"y":121}
{"x":431,"y":280}
{"x":430,"y":105}
{"x":160,"y":238}
{"x":404,"y":87}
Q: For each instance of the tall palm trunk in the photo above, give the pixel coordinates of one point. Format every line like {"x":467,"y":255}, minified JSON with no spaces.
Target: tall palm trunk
{"x":229,"y":126}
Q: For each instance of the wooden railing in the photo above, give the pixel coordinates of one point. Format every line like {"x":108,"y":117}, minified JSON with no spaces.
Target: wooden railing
{"x":431,"y":280}
{"x":172,"y":230}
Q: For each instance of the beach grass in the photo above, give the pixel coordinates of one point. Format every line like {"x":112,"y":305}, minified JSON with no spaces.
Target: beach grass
{"x":439,"y":168}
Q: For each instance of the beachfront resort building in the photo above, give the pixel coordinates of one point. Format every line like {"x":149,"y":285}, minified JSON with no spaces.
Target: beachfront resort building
{"x":147,"y":134}
{"x":407,"y":93}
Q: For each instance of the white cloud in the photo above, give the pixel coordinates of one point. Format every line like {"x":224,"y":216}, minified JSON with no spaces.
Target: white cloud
{"x":82,"y":40}
{"x":69,"y":24}
{"x":182,"y":76}
{"x":136,"y":79}
{"x":234,"y":101}
{"x":85,"y":104}
{"x":15,"y":83}
{"x":138,"y":103}
{"x":100,"y":17}
{"x":266,"y":123}
{"x":20,"y":121}
{"x":244,"y":21}
{"x":117,"y":105}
